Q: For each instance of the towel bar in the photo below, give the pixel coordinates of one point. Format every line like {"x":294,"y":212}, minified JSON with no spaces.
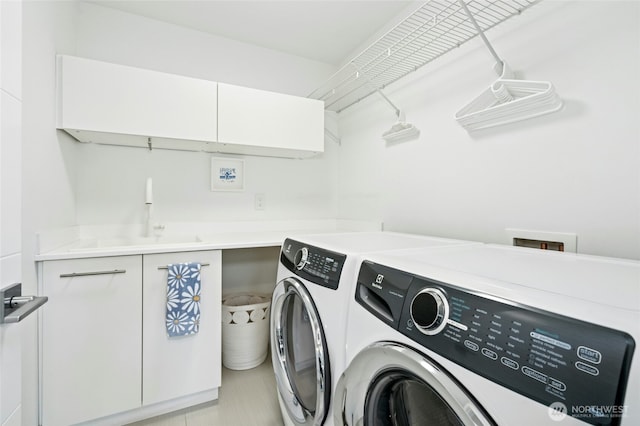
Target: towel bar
{"x":166,"y":267}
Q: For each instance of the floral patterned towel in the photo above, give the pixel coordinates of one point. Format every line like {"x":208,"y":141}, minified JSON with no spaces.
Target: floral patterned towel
{"x":183,"y":299}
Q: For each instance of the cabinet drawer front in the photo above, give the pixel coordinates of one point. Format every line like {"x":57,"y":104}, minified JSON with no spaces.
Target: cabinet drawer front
{"x":179,"y":366}
{"x":91,"y":338}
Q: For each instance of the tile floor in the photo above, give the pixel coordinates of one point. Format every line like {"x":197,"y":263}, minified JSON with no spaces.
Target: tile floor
{"x":246,"y":398}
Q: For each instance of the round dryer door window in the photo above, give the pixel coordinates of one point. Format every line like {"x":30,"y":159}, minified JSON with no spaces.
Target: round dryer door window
{"x":299,"y":353}
{"x":398,"y":397}
{"x":388,"y":384}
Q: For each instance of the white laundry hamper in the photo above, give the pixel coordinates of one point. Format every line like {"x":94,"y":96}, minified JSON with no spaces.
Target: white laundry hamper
{"x":245,"y":330}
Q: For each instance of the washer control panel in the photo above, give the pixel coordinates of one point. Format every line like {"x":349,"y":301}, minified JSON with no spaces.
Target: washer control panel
{"x":320,"y":266}
{"x":547,"y":357}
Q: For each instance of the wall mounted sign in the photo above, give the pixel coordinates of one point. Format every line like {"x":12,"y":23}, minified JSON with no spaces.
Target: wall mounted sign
{"x":227,"y":174}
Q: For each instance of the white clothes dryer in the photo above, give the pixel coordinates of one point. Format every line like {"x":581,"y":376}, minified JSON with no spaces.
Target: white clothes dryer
{"x":492,"y":335}
{"x":316,"y":275}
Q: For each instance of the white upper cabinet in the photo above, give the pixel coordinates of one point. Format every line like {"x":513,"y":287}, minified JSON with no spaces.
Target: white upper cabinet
{"x":114,"y":104}
{"x":121,"y":105}
{"x":258,"y":121}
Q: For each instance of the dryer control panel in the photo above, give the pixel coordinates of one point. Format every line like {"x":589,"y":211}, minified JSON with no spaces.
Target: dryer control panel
{"x":320,"y":266}
{"x":550,"y":358}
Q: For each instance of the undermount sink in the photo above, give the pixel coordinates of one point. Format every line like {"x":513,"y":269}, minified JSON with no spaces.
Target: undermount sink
{"x":136,"y":241}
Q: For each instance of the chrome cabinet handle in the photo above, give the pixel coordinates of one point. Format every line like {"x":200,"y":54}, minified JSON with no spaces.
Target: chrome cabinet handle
{"x":85,"y":274}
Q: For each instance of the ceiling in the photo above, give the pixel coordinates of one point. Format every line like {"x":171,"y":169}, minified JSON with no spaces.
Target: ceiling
{"x":323,"y":30}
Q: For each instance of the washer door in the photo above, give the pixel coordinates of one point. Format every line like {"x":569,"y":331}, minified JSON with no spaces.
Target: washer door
{"x":391,"y":384}
{"x":299,"y":354}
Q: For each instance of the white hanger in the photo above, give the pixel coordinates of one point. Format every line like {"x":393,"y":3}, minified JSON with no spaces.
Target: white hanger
{"x":507,"y":99}
{"x":401,"y":131}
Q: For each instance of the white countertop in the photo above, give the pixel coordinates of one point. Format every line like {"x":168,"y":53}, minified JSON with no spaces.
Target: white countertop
{"x":115,"y":240}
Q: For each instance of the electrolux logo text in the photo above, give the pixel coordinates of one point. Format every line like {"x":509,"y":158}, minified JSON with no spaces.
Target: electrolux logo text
{"x":378,"y":282}
{"x":558,"y":411}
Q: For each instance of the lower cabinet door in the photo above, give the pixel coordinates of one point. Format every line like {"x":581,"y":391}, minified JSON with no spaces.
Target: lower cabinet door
{"x":91,"y":338}
{"x":183,"y":365}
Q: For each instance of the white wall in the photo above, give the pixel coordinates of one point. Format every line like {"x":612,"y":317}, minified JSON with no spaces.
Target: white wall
{"x":48,"y":170}
{"x":122,"y":38}
{"x":111,"y":180}
{"x":575,"y":171}
{"x":48,"y":164}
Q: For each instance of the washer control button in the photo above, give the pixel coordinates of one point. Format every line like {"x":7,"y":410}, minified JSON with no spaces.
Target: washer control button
{"x":528,"y":371}
{"x":489,"y":353}
{"x":471,"y":345}
{"x":509,"y":363}
{"x":589,"y":355}
{"x":589,"y":369}
{"x":554,"y":383}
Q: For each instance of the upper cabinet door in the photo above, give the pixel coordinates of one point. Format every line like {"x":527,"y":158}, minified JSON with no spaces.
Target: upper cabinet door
{"x":268,"y":123}
{"x":109,"y":103}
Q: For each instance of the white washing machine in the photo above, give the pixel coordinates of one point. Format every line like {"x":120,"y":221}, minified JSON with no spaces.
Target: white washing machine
{"x":492,"y":335}
{"x":315,"y":278}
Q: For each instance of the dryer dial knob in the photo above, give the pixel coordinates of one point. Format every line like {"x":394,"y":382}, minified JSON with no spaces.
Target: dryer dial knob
{"x":430,"y":311}
{"x":300,"y":260}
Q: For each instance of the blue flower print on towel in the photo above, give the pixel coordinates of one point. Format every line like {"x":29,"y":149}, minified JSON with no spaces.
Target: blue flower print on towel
{"x":191,"y":299}
{"x":193,"y":324}
{"x":183,"y":299}
{"x":173,"y":299}
{"x":178,"y":275}
{"x":177,"y":323}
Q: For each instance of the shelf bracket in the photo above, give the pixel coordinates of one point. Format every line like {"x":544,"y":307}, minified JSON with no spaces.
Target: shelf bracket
{"x":401,"y":130}
{"x":368,"y":81}
{"x":328,"y":133}
{"x":484,"y":38}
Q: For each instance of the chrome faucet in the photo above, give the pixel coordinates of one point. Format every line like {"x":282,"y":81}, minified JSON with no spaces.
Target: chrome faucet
{"x":148,"y":201}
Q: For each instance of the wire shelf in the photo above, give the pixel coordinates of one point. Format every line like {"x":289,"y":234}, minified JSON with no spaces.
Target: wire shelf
{"x":434,"y":29}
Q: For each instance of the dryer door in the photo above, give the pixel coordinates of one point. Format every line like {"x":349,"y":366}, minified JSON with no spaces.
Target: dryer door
{"x":299,"y":354}
{"x":391,"y":384}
